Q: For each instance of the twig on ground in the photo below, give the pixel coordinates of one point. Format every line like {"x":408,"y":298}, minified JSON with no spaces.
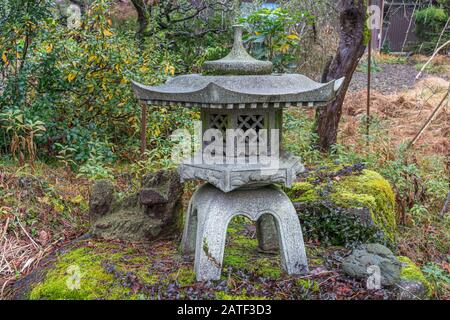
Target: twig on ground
{"x":5,"y":228}
{"x":418,"y":298}
{"x":28,"y":235}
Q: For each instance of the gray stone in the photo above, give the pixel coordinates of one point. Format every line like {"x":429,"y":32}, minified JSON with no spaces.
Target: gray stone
{"x":357,"y":263}
{"x":411,"y":290}
{"x":266,"y":232}
{"x":140,"y":216}
{"x":210,"y":210}
{"x":161,"y":194}
{"x":240,"y":91}
{"x":234,"y":176}
{"x":102,"y":199}
{"x":238,"y":61}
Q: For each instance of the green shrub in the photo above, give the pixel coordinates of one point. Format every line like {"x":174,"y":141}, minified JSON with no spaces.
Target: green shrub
{"x":76,"y":82}
{"x":272,"y":35}
{"x":430,"y":22}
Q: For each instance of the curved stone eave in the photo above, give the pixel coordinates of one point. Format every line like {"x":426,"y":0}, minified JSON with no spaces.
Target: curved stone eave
{"x":213,"y":93}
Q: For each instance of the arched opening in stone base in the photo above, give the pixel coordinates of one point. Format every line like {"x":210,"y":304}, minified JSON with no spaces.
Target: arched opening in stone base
{"x":244,"y":255}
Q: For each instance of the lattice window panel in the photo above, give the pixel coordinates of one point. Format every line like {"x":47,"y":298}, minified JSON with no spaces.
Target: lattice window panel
{"x":218,"y":121}
{"x":247,"y":122}
{"x":251,"y":121}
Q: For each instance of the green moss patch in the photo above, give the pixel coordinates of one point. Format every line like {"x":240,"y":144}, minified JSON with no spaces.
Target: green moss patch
{"x":410,"y":271}
{"x":372,"y":191}
{"x":79,"y":275}
{"x":241,"y":253}
{"x":334,"y":206}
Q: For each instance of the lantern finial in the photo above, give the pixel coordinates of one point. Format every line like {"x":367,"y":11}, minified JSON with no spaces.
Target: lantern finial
{"x":238,"y":61}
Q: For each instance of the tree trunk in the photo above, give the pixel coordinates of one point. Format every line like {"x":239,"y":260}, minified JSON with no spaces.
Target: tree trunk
{"x":143,"y":16}
{"x":352,"y":44}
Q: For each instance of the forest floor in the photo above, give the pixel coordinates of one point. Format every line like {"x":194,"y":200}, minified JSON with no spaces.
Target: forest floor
{"x":158,"y":271}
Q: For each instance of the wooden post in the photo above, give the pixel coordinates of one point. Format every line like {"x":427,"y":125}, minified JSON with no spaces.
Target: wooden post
{"x":143,"y":127}
{"x":369,"y":65}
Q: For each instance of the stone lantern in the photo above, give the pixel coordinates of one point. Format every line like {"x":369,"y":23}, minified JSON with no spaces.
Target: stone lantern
{"x":240,"y":158}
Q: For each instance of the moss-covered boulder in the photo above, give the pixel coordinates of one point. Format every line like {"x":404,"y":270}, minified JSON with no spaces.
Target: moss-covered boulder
{"x":153,"y":211}
{"x":345,"y":206}
{"x":413,"y":284}
{"x":357,"y":264}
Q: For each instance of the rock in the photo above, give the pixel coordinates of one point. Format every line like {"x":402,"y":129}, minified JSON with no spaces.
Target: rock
{"x":102,"y":199}
{"x":345,"y":205}
{"x":411,"y":290}
{"x":160,"y":194}
{"x":144,"y":215}
{"x":266,"y":232}
{"x":413,"y":284}
{"x":357,"y":263}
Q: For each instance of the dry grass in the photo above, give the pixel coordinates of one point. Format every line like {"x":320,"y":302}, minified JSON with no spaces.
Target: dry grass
{"x":439,"y":65}
{"x":37,"y":214}
{"x":19,"y":254}
{"x":405,"y":113}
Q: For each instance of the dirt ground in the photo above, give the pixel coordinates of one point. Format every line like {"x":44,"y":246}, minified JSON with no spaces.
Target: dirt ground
{"x":388,"y":77}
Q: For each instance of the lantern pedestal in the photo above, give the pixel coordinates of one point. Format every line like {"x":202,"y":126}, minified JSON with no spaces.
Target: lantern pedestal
{"x":209,"y":212}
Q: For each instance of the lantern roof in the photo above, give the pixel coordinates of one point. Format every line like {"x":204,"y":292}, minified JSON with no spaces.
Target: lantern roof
{"x":239,"y":81}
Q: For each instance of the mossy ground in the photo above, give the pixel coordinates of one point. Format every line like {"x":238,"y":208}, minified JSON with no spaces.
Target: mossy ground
{"x":115,"y":270}
{"x":84,"y":265}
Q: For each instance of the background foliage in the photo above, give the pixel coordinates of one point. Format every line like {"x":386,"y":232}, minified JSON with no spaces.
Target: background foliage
{"x":430,"y":23}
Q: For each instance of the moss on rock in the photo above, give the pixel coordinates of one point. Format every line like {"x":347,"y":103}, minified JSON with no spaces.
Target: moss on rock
{"x":367,"y":190}
{"x":410,"y":271}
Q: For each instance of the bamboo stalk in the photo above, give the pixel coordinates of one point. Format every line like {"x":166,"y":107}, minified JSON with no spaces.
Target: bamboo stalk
{"x":430,"y":118}
{"x":369,"y":67}
{"x":143,"y":128}
{"x":409,"y":26}
{"x":431,"y":58}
